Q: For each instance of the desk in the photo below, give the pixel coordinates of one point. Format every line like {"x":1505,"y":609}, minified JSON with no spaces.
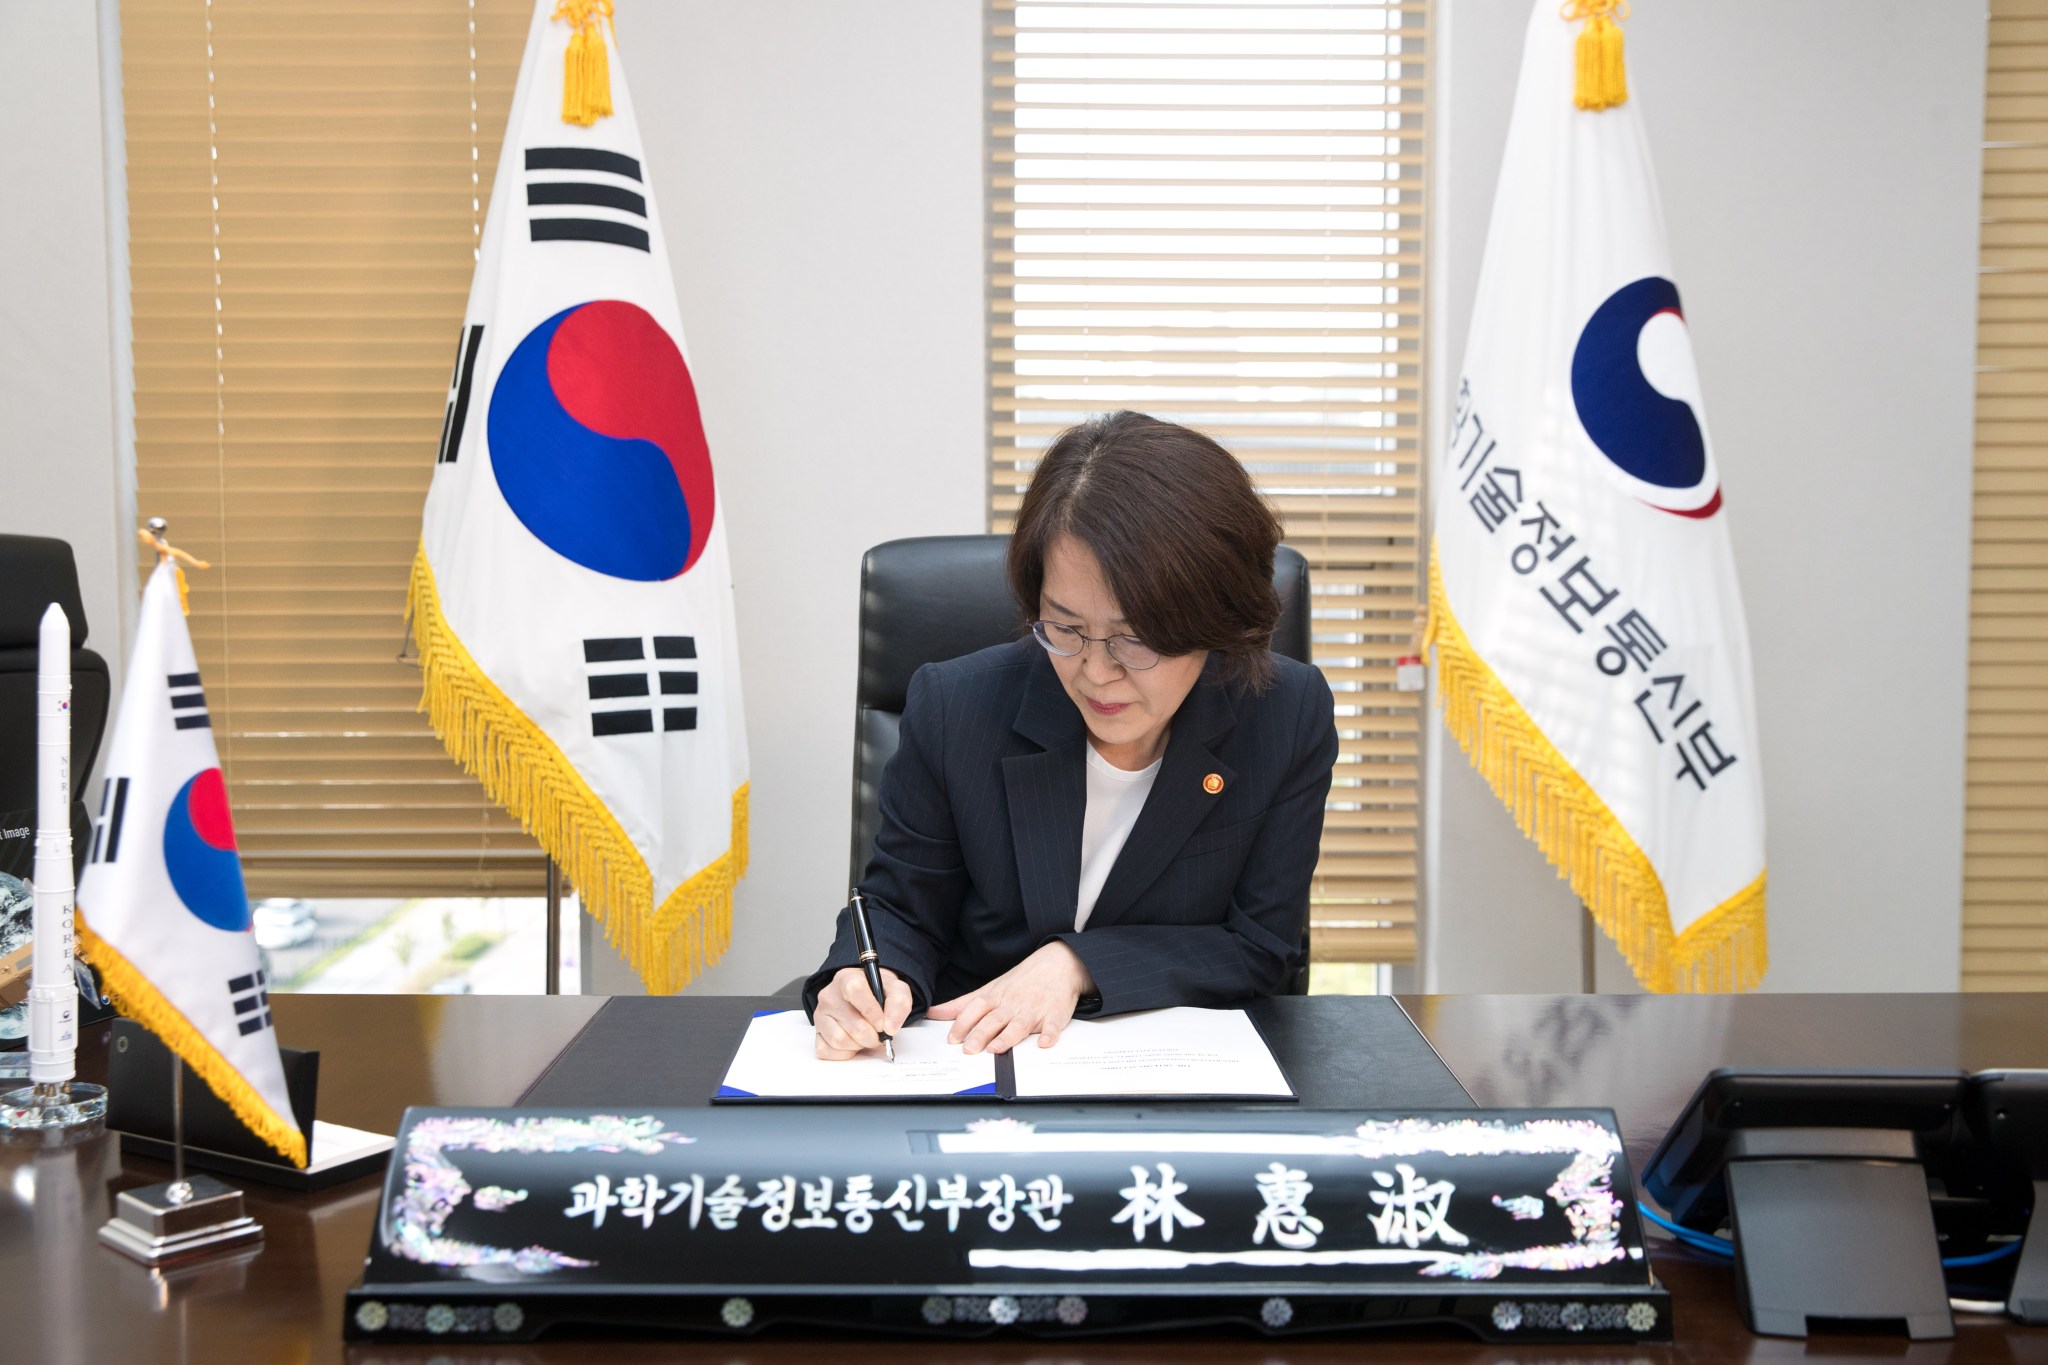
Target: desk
{"x":64,"y":1298}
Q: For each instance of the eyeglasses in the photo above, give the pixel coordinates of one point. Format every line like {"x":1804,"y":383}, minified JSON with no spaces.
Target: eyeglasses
{"x":1127,"y":650}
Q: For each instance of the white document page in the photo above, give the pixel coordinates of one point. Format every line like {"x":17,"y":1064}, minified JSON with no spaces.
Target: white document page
{"x":334,"y":1144}
{"x":778,"y":1060}
{"x":1180,"y":1051}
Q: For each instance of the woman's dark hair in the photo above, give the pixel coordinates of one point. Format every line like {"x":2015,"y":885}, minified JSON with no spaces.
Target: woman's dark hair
{"x":1182,"y":536}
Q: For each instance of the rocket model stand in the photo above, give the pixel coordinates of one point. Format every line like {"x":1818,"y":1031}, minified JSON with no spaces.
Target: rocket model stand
{"x":53,"y":1100}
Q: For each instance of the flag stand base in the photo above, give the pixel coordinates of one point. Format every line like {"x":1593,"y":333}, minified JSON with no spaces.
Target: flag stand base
{"x":65,"y":1104}
{"x":178,"y":1220}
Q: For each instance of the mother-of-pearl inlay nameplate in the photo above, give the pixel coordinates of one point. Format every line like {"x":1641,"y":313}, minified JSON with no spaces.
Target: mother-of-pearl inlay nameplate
{"x":497,"y":1224}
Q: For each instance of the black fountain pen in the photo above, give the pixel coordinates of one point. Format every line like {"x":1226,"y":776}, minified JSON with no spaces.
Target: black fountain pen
{"x":870,"y":961}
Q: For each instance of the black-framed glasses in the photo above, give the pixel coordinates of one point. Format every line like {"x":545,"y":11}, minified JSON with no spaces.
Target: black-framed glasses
{"x":1127,"y":650}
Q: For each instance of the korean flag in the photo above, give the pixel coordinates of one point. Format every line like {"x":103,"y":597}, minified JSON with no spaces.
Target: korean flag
{"x":572,"y":595}
{"x":161,"y":908}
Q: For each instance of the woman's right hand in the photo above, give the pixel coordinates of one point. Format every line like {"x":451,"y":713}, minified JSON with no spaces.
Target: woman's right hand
{"x":849,"y":1020}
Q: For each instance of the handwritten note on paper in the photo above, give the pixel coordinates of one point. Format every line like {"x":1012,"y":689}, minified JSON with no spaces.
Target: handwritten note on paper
{"x":1182,"y":1051}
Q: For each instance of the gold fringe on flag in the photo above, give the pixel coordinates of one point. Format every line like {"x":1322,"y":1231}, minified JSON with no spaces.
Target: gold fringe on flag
{"x":145,"y":1004}
{"x":523,"y":771}
{"x":586,"y":69}
{"x":1602,"y":76}
{"x":1725,"y":950}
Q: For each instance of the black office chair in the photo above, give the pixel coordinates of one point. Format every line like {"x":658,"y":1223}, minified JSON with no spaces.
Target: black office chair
{"x":938,"y":597}
{"x":34,"y":572}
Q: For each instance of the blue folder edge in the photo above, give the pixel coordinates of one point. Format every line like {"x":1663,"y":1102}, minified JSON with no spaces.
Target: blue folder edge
{"x":733,"y":1092}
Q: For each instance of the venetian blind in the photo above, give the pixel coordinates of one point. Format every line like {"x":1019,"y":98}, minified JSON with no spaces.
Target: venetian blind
{"x":1213,"y":212}
{"x":2005,"y":840}
{"x":325,"y":148}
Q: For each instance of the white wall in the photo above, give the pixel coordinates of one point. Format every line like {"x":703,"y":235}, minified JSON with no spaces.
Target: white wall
{"x":60,"y":443}
{"x":819,"y":167}
{"x":1819,"y":164}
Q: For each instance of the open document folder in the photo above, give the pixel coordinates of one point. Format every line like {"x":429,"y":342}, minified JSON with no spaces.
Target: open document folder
{"x":1182,"y":1053}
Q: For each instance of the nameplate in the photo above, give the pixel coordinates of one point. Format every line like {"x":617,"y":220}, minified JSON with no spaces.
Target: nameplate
{"x":499,"y":1224}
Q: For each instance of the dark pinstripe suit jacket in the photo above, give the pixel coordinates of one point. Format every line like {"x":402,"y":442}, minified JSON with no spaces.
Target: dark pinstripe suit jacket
{"x":978,"y":860}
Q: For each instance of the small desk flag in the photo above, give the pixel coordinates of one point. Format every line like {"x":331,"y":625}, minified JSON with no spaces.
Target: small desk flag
{"x":1591,"y":651}
{"x":572,"y":596}
{"x":161,"y":908}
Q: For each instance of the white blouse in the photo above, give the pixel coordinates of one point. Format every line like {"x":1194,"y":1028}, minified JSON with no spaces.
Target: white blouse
{"x":1114,"y":799}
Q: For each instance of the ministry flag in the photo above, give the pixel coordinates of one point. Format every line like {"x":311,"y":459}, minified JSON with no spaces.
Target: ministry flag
{"x":1591,"y":651}
{"x":161,"y":908}
{"x":572,"y":596}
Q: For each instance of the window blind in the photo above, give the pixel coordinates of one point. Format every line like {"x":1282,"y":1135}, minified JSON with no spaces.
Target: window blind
{"x":2005,"y":832}
{"x":333,"y":155}
{"x":1213,"y":213}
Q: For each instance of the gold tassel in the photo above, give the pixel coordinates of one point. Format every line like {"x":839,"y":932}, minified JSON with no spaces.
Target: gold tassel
{"x":523,"y":771}
{"x":1724,"y":950}
{"x":144,"y":1003}
{"x":1602,"y":77}
{"x":586,"y":68}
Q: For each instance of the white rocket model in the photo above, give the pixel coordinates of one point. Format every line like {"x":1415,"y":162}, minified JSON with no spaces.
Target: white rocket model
{"x":53,"y":990}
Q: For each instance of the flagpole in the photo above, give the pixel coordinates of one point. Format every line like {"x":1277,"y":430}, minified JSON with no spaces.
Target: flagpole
{"x":1588,"y":978}
{"x":180,"y":1191}
{"x":185,"y":1216}
{"x":554,"y":973}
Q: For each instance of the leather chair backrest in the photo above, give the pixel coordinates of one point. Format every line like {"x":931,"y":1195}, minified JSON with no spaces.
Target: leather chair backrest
{"x":34,"y":572}
{"x":932,"y":598}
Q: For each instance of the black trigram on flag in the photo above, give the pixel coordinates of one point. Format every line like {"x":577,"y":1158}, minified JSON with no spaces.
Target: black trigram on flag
{"x":188,"y":702}
{"x":251,"y":997}
{"x":558,"y":208}
{"x":457,"y":416}
{"x":106,"y":828}
{"x":619,"y":673}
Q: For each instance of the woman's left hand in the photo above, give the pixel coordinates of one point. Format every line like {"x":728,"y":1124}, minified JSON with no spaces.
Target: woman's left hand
{"x":1037,"y":995}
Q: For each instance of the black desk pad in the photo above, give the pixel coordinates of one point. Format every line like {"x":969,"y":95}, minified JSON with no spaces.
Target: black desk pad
{"x":1339,"y":1052}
